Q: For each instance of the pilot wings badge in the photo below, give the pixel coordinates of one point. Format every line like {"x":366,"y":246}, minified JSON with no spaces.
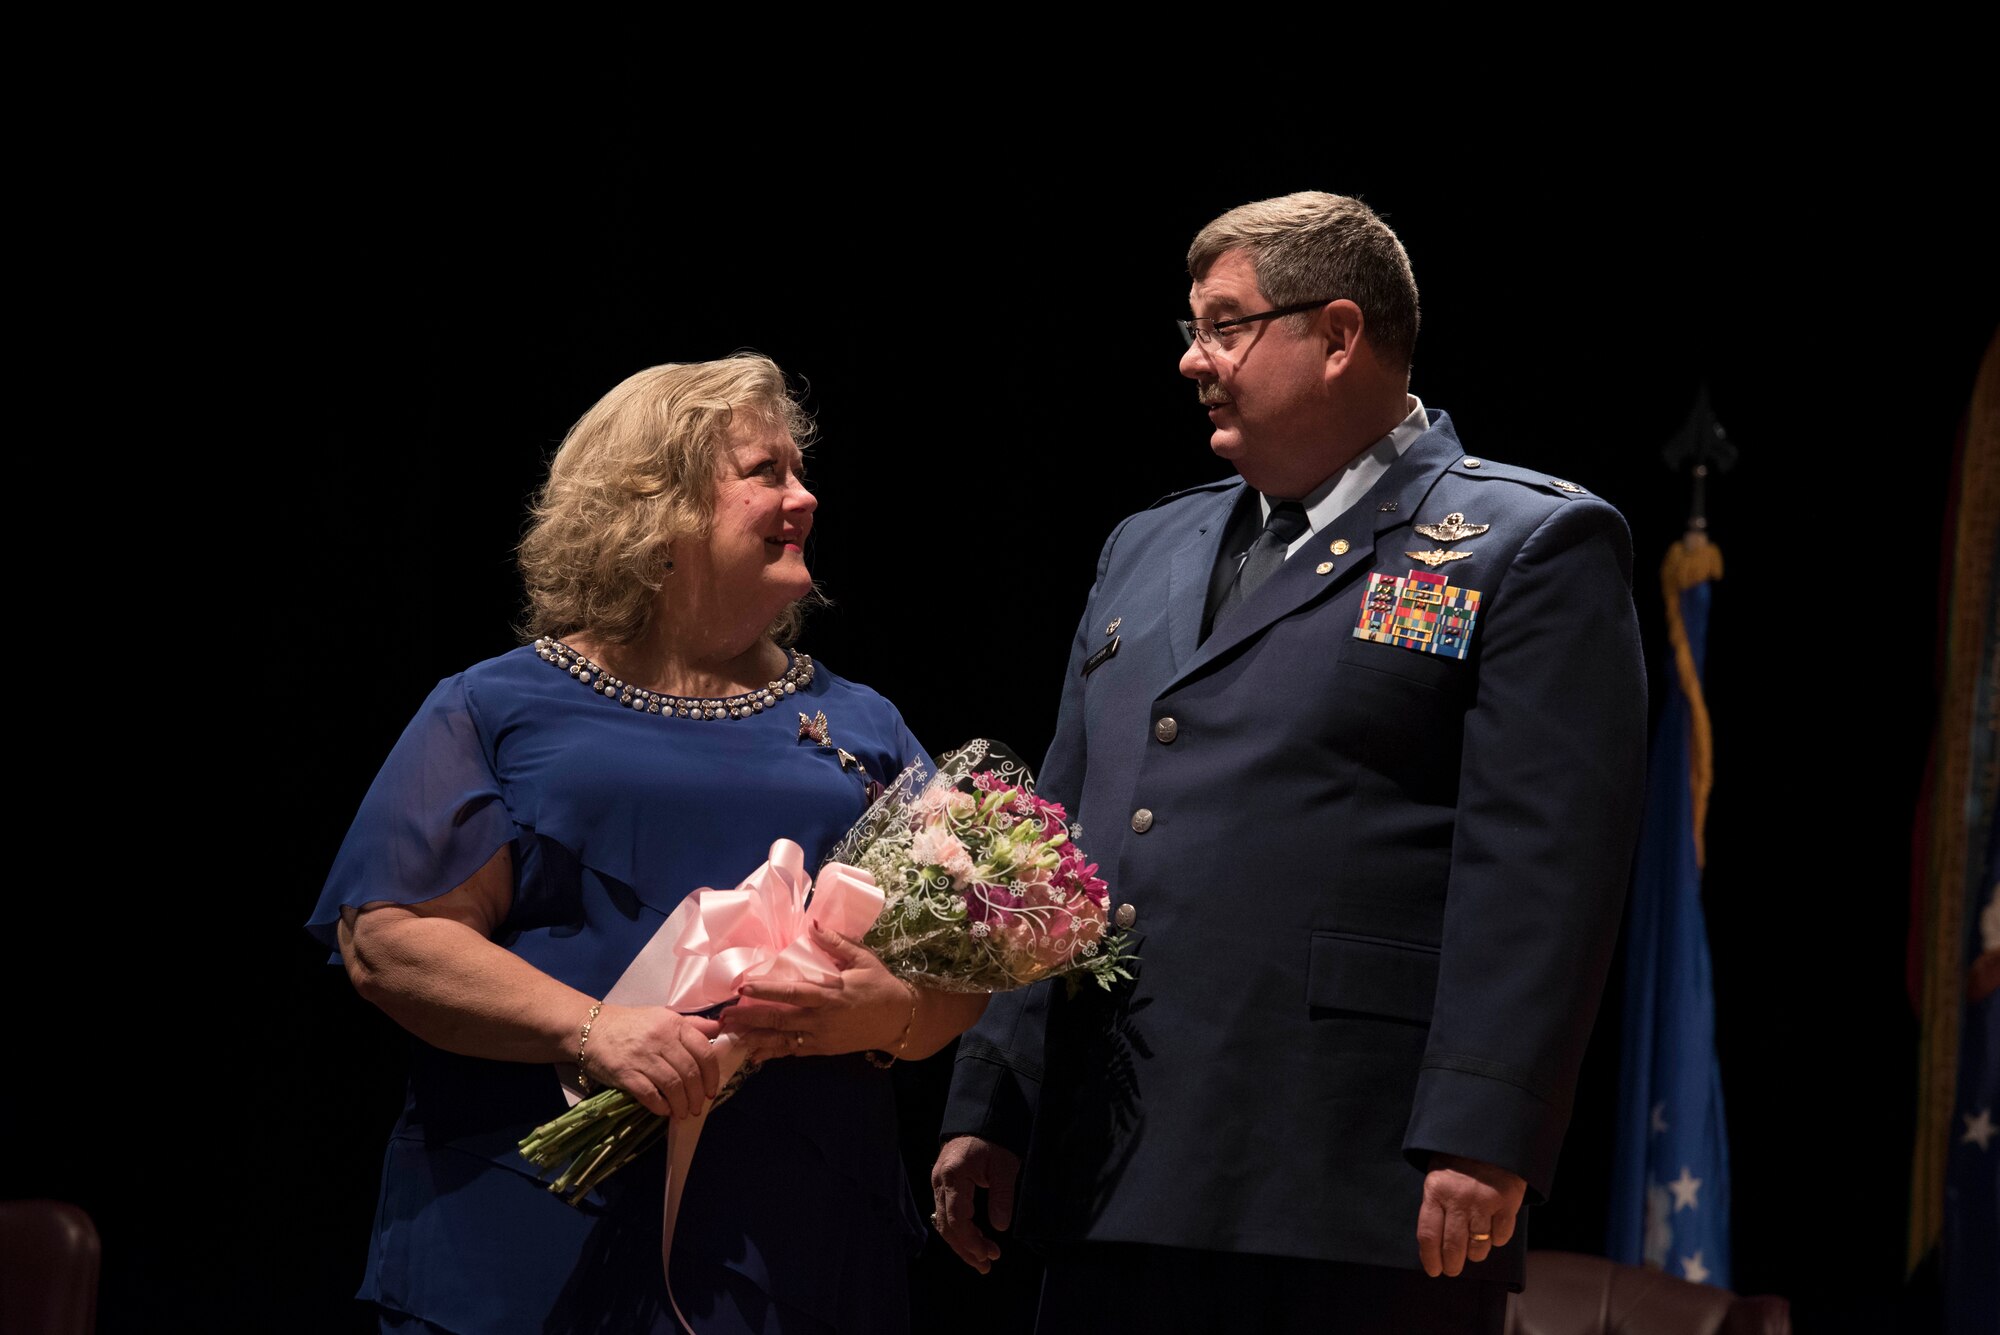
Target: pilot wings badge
{"x":1438,"y":556}
{"x":1452,"y":529}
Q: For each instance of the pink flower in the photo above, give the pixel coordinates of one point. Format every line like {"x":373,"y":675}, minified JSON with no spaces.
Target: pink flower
{"x":1073,"y":871}
{"x":1046,"y":927}
{"x":1089,"y":915}
{"x":1036,"y":946}
{"x":1054,"y":820}
{"x":1036,"y":878}
{"x":937,"y":846}
{"x":1042,"y":892}
{"x":935,"y":805}
{"x":991,"y":904}
{"x":1049,"y":931}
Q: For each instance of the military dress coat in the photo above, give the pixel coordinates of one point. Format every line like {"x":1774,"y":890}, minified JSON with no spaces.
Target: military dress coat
{"x":1374,"y":879}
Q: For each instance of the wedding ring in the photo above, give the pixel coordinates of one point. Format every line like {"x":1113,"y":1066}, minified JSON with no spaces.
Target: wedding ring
{"x":1482,"y":1237}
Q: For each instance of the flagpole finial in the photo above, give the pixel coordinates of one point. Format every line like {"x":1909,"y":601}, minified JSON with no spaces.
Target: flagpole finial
{"x":1703,"y":449}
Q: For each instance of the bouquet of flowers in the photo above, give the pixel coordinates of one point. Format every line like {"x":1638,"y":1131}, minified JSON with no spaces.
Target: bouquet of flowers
{"x":982,"y":889}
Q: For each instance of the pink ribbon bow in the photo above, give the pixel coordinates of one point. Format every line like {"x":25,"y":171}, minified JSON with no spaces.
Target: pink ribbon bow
{"x":717,"y":940}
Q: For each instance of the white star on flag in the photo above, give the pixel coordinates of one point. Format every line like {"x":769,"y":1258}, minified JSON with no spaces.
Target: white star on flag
{"x":1979,"y":1130}
{"x":1659,"y":1226}
{"x":1684,"y":1188}
{"x":1659,"y":1117}
{"x":1692,"y":1267}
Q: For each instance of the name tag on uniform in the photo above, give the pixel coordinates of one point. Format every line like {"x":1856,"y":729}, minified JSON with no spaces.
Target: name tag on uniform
{"x":1101,"y":657}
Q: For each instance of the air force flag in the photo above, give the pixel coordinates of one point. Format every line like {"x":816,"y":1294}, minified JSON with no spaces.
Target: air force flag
{"x":1670,"y":1172}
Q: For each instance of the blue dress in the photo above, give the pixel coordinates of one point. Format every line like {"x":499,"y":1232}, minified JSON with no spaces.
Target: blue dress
{"x":797,"y":1213}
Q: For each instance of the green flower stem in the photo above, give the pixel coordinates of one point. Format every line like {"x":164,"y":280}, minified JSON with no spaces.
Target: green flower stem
{"x":592,"y":1140}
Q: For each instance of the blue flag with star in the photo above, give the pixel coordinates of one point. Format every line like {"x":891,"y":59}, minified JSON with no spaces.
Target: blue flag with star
{"x":1972,"y":1164}
{"x":1670,"y":1171}
{"x":1955,"y":900}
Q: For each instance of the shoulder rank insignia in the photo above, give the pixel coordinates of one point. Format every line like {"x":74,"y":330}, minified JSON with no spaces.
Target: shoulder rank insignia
{"x":1452,"y":529}
{"x":1437,"y":556}
{"x":1566,"y":486}
{"x":1420,"y":611}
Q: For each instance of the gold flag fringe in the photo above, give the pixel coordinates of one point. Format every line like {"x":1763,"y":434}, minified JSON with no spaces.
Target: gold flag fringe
{"x":1691,"y":561}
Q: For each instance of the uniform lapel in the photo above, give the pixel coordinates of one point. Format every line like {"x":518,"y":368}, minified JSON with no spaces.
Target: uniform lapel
{"x":1188,"y":572}
{"x":1317,"y":568}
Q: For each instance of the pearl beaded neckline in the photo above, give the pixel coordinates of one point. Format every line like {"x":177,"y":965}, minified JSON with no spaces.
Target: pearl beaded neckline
{"x":798,"y":675}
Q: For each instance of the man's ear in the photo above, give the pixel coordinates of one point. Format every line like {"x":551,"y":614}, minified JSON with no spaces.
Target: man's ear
{"x":1344,"y":327}
{"x":1343,"y":322}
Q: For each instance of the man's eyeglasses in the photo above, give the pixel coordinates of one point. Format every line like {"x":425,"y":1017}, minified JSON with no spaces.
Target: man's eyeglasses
{"x":1210,"y":333}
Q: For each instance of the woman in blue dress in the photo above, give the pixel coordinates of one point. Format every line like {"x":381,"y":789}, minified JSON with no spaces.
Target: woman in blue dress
{"x":532,"y":828}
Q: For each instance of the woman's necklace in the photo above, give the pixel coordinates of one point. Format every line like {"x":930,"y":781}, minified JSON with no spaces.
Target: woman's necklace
{"x":798,"y":675}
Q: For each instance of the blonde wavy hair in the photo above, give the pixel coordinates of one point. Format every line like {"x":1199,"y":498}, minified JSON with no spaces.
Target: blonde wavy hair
{"x":636,"y":474}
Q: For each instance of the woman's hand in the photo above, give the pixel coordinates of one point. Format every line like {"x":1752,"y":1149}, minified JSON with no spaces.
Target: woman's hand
{"x":660,"y":1058}
{"x":863,"y":1006}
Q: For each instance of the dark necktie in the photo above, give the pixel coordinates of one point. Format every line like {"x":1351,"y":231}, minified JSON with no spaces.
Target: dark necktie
{"x":1266,"y":554}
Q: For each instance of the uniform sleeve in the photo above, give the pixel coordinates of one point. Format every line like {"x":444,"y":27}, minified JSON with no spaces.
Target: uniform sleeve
{"x":1551,"y":785}
{"x":997,"y":1075}
{"x":1061,"y":776}
{"x":432,"y":817}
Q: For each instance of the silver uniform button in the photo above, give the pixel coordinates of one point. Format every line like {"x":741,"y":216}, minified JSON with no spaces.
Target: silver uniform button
{"x":1166,"y":730}
{"x":1142,"y":821}
{"x":1127,"y":915}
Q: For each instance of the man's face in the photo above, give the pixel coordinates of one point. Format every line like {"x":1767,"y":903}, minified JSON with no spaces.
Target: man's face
{"x":1264,"y":384}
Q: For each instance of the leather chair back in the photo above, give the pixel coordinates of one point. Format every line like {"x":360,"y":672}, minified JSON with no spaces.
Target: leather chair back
{"x":49,"y":1260}
{"x":1569,"y":1293}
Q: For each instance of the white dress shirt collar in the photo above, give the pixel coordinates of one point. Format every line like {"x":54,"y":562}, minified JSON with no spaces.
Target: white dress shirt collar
{"x":1331,"y":498}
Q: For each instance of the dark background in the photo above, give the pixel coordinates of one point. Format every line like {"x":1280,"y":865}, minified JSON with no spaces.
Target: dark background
{"x":432,"y":292}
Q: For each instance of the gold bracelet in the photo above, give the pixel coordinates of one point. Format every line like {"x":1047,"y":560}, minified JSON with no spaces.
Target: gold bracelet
{"x":582,"y":1080}
{"x":882,"y":1061}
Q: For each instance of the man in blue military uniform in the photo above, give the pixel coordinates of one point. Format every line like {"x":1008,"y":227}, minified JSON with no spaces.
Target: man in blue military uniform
{"x":1358,"y":738}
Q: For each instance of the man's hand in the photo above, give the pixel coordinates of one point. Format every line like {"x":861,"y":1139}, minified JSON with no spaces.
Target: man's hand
{"x":966,"y":1165}
{"x":1469,"y":1209}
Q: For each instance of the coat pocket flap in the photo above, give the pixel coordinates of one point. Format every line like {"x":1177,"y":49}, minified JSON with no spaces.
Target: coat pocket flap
{"x":1373,"y":976}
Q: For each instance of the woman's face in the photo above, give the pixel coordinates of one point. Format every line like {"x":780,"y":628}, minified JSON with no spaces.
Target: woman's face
{"x":763,"y":512}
